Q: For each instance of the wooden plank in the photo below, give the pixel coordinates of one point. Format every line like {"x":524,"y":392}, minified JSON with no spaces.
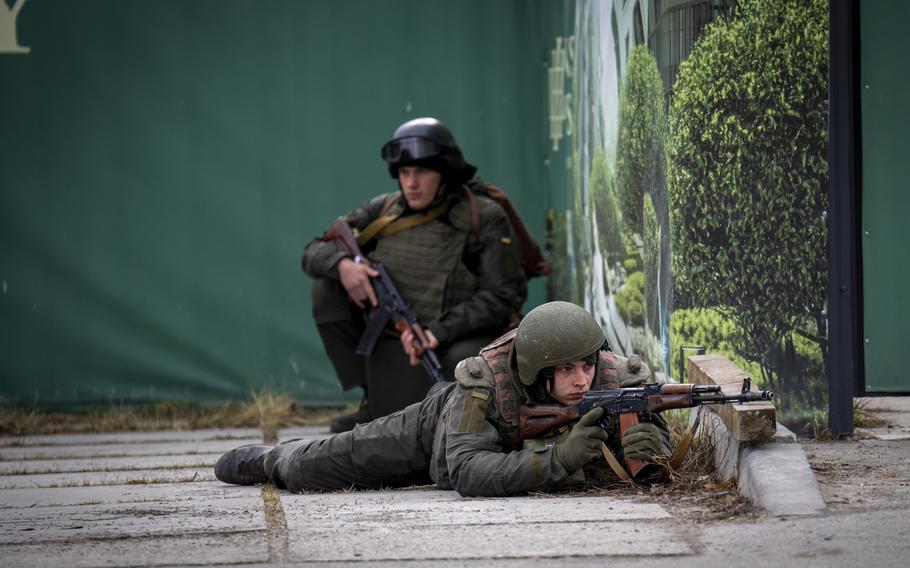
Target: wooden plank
{"x":750,"y":422}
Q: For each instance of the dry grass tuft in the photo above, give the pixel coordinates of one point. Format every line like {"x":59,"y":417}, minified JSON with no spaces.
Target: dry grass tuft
{"x":266,"y":410}
{"x":863,"y":417}
{"x":270,"y":411}
{"x":691,"y":486}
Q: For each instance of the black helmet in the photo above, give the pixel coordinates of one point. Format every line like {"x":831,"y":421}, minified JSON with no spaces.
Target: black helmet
{"x":552,"y":334}
{"x":426,"y":142}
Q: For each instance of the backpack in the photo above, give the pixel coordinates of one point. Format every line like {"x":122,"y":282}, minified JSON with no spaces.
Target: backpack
{"x":532,"y":259}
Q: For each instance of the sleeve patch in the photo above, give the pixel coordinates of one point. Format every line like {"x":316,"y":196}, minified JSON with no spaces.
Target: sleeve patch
{"x":482,"y":394}
{"x":474,"y":411}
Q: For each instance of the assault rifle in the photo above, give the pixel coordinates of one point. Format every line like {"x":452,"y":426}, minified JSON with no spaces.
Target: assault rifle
{"x":392,"y":306}
{"x":625,"y":407}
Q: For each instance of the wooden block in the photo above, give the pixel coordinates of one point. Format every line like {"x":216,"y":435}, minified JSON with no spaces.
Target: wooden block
{"x":749,"y":422}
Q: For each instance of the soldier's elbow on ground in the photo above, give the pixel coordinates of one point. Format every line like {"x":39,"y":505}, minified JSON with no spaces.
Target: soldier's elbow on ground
{"x":478,"y":484}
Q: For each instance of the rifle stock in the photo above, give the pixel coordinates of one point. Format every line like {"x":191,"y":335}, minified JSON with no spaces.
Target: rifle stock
{"x":538,"y":420}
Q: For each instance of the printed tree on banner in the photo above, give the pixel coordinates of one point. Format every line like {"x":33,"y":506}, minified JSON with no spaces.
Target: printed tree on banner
{"x":747,"y":177}
{"x":641,"y":147}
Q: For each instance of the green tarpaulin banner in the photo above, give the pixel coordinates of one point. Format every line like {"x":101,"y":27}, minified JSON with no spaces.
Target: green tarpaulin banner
{"x":164,"y":163}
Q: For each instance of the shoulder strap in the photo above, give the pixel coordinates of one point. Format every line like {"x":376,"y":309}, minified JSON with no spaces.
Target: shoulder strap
{"x":368,"y":232}
{"x":405,"y":223}
{"x":389,"y":224}
{"x":472,"y":203}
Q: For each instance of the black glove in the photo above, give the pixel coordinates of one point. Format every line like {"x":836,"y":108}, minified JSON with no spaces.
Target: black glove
{"x":583,"y":443}
{"x":645,"y":441}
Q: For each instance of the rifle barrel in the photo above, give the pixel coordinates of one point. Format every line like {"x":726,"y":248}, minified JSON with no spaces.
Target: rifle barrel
{"x":749,"y":396}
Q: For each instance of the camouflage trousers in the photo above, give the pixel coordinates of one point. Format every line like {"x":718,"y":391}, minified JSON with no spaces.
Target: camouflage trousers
{"x":392,"y":451}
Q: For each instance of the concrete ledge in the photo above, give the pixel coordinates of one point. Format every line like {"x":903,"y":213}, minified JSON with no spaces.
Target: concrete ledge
{"x":773,"y":475}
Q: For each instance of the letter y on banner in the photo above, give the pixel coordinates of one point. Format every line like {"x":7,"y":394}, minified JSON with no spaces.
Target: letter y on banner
{"x":8,"y":41}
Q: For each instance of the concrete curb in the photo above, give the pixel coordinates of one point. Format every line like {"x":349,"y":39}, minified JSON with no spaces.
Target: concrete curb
{"x":774,"y":475}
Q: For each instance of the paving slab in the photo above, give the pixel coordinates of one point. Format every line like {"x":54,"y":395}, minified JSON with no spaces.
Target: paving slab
{"x":56,"y":496}
{"x":220,"y":549}
{"x":118,"y":520}
{"x":102,"y":464}
{"x":426,"y":524}
{"x":27,"y":453}
{"x":131,"y":437}
{"x":877,"y":539}
{"x":77,"y":479}
{"x":159,"y":436}
{"x":30,"y":467}
{"x":517,"y":540}
{"x":112,"y":448}
{"x":426,"y":507}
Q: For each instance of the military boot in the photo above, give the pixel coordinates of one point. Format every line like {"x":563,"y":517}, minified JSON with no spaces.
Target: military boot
{"x":243,"y":465}
{"x":347,"y":422}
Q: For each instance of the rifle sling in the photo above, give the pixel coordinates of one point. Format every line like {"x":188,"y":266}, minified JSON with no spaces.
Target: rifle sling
{"x":683,"y":447}
{"x":614,"y":464}
{"x":675,"y":460}
{"x":375,"y":326}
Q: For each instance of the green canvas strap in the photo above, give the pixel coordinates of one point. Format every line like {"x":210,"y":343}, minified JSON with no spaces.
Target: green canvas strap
{"x":367,"y":234}
{"x":683,"y":447}
{"x":675,"y":460}
{"x":388,"y":225}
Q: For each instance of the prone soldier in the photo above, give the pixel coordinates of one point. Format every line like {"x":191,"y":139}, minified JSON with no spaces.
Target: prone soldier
{"x":466,"y":436}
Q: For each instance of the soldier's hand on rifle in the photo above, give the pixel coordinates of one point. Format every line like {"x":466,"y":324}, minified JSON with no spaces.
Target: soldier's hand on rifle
{"x":644,"y":441}
{"x":583,"y":443}
{"x":413,"y":347}
{"x":355,"y":277}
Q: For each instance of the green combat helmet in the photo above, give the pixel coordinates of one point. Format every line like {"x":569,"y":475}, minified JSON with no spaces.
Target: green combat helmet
{"x":552,"y":334}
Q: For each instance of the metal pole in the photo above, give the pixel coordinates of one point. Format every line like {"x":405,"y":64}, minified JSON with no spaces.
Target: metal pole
{"x":844,"y":296}
{"x":699,"y":350}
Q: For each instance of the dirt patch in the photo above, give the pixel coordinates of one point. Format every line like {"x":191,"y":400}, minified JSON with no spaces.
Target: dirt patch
{"x":872,"y":468}
{"x":861,"y":473}
{"x":699,"y":505}
{"x":690,"y":493}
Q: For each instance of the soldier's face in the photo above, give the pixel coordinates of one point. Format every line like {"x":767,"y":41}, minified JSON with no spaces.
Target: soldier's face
{"x":571,"y":381}
{"x":419,"y":185}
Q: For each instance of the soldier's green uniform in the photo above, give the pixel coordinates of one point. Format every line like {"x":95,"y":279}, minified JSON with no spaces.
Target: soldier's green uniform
{"x":462,"y":283}
{"x":459,"y":268}
{"x":464,"y":437}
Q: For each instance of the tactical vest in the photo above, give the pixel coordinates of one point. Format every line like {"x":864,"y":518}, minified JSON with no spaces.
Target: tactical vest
{"x":508,"y":397}
{"x":425,"y":261}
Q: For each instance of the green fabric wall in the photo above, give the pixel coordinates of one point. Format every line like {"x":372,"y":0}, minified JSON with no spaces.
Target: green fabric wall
{"x":163,"y":164}
{"x":885,"y":98}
